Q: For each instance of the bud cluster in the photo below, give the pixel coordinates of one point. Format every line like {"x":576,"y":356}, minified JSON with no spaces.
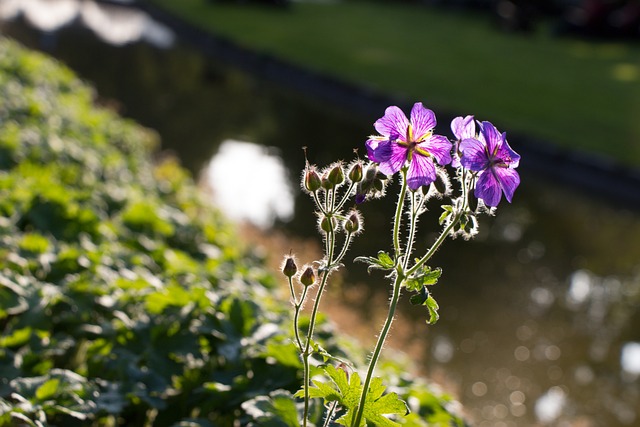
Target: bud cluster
{"x":306,"y":277}
{"x":372,"y":185}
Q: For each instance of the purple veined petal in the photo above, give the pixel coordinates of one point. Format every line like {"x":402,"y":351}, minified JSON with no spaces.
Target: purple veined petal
{"x":394,"y":122}
{"x":395,"y":161}
{"x":421,"y":171}
{"x":474,"y":155}
{"x":378,"y":149}
{"x":506,"y":148}
{"x":488,"y":188}
{"x":422,"y":120}
{"x":463,"y":127}
{"x":492,"y":137}
{"x":509,"y":181}
{"x":439,"y":147}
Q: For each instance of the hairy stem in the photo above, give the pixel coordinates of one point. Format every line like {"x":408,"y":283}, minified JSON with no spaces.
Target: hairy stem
{"x":392,"y":304}
{"x":378,"y":349}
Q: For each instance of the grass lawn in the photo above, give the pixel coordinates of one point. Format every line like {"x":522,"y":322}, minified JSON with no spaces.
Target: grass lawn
{"x":580,"y":94}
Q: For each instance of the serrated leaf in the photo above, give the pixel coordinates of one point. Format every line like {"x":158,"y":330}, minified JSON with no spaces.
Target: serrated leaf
{"x":423,"y":277}
{"x":433,"y":307}
{"x":382,"y":262}
{"x":385,"y":260}
{"x":347,"y":390}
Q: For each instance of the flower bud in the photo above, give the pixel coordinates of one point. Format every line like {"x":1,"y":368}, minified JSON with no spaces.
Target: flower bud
{"x":336,"y":174}
{"x":328,"y":224}
{"x":308,"y":277}
{"x":353,"y":223}
{"x":327,"y":184}
{"x":312,"y":181}
{"x":356,"y":173}
{"x":289,"y":269}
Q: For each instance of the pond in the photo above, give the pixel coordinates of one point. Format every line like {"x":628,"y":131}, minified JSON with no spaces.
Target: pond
{"x":540,"y":314}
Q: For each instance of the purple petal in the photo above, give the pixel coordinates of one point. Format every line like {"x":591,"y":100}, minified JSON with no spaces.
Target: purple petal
{"x":492,"y":137}
{"x":506,"y":152}
{"x":439,"y":147}
{"x":421,"y":171}
{"x":474,"y":157}
{"x":509,"y":181}
{"x":422,"y":120}
{"x":396,"y":159}
{"x":488,"y":188}
{"x":394,"y":123}
{"x":378,"y":149}
{"x":463,"y":128}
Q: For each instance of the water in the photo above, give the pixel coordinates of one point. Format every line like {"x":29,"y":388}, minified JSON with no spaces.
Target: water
{"x":539,"y":314}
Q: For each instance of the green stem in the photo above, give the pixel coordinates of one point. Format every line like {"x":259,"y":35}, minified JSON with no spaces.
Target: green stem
{"x":306,"y":353}
{"x":392,"y":305}
{"x":413,"y":226}
{"x":398,"y":217}
{"x":343,"y":252}
{"x":378,"y":349}
{"x":445,"y":232}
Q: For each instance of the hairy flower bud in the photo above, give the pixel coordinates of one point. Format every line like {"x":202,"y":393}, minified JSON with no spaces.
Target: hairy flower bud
{"x":289,"y":269}
{"x":328,"y":224}
{"x":308,"y":277}
{"x":353,"y":223}
{"x":356,"y":172}
{"x":327,"y":184}
{"x":336,"y":174}
{"x":312,"y":180}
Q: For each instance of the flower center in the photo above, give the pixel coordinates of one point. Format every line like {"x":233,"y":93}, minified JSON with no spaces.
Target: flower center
{"x":412,"y":143}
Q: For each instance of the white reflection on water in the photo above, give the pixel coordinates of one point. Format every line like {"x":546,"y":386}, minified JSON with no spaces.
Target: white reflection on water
{"x":113,"y":24}
{"x":630,"y":359}
{"x":550,"y":405}
{"x":49,"y":15}
{"x":250,"y":183}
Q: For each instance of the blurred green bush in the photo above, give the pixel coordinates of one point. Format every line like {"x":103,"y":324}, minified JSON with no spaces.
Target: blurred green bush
{"x":125,"y":298}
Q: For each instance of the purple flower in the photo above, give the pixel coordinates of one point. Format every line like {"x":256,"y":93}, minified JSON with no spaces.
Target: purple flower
{"x":403,"y":141}
{"x":462,"y":128}
{"x":491,"y":156}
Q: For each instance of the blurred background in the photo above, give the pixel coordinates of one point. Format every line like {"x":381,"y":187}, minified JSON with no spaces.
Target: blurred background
{"x":540,"y":314}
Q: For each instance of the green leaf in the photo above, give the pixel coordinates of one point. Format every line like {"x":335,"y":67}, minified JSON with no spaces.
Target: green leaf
{"x":17,"y":338}
{"x":48,"y":389}
{"x":382,"y":262}
{"x":347,"y":390}
{"x":448,"y":210}
{"x":433,"y":307}
{"x":423,"y":277}
{"x":421,"y":297}
{"x":424,"y":298}
{"x":276,"y":410}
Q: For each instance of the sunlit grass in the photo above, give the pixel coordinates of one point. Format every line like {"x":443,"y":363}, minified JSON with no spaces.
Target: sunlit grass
{"x":580,"y":94}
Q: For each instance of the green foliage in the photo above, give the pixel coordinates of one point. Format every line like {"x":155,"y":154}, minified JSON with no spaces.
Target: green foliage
{"x":124,"y":297}
{"x":425,"y":276}
{"x":346,"y":392}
